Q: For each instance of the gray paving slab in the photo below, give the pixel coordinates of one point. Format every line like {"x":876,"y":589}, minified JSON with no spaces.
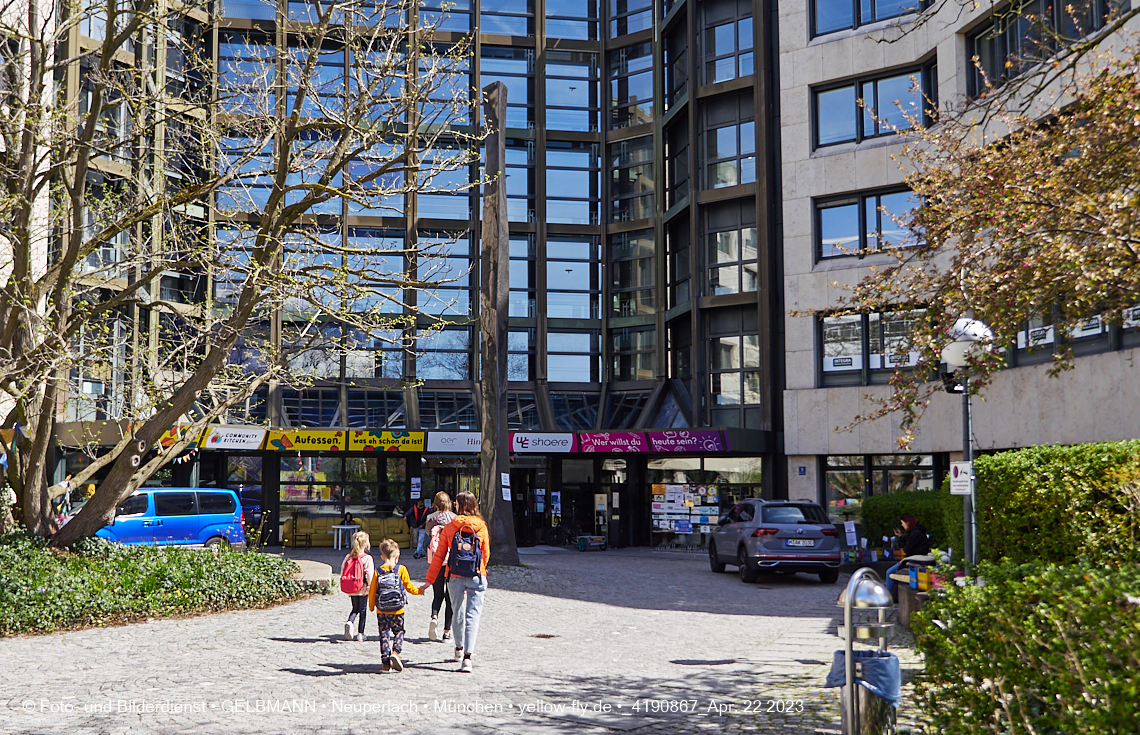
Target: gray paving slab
{"x":616,"y":641}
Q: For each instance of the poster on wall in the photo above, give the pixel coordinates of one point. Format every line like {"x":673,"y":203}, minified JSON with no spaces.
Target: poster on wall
{"x":416,"y":486}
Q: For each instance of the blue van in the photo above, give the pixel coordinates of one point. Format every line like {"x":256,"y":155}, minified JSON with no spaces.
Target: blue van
{"x":178,"y":515}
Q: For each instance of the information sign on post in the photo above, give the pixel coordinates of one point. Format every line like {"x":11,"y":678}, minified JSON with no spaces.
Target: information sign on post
{"x":960,"y":474}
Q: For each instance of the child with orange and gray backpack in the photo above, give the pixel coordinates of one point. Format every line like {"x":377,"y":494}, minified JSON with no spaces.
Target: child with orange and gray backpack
{"x":386,"y":596}
{"x":356,"y":572}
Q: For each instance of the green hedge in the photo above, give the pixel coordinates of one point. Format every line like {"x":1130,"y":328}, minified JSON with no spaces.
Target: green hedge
{"x":1036,"y":650}
{"x":1060,"y":504}
{"x":880,"y":514}
{"x":100,"y":583}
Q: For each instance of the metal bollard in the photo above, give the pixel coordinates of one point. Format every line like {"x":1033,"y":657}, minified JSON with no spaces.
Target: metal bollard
{"x":864,"y":713}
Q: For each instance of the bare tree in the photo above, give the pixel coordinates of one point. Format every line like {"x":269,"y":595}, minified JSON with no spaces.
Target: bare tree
{"x":175,"y":226}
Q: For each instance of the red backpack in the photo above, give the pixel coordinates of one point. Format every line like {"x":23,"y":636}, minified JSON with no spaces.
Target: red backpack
{"x":352,"y":576}
{"x":433,"y":546}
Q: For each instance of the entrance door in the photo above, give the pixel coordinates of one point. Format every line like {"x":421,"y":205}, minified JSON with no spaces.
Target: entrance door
{"x":522,"y":501}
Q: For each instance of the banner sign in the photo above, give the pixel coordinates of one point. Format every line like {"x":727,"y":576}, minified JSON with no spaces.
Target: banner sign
{"x":385,"y":441}
{"x":612,"y":441}
{"x":302,"y":440}
{"x":686,"y":440}
{"x":541,"y":443}
{"x":173,"y":435}
{"x":233,"y":437}
{"x":454,"y":441}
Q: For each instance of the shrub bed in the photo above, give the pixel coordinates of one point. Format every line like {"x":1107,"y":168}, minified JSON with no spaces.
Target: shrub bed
{"x":1035,"y":650}
{"x":99,"y":583}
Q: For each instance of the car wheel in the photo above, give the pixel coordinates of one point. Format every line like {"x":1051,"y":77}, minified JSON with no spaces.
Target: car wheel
{"x":714,"y":564}
{"x":216,"y":541}
{"x":831,"y":576}
{"x":603,"y":547}
{"x":747,"y":573}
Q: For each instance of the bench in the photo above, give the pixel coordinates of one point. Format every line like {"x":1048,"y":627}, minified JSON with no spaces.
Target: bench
{"x":910,"y":600}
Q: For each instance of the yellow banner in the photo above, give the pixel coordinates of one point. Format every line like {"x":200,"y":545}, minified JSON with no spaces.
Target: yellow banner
{"x":172,"y":435}
{"x":385,"y":441}
{"x":301,"y":440}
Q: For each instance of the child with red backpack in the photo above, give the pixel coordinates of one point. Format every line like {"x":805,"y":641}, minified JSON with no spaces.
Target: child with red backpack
{"x":434,"y":526}
{"x":386,"y":597}
{"x":468,"y":545}
{"x":356,"y":572}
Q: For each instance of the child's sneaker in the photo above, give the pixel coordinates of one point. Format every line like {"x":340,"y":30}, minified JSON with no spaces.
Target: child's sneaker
{"x":348,"y":632}
{"x":387,"y":669}
{"x":433,"y":635}
{"x":397,"y":664}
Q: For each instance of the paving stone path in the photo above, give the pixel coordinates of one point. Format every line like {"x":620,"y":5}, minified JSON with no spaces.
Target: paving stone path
{"x":618,"y":641}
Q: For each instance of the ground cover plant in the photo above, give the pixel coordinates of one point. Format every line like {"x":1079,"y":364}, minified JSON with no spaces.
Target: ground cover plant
{"x":98,"y":583}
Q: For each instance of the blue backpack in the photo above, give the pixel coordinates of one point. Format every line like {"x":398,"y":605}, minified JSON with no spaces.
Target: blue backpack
{"x":466,"y":553}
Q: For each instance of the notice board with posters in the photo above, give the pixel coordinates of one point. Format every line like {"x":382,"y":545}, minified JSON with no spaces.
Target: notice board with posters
{"x":685,"y":509}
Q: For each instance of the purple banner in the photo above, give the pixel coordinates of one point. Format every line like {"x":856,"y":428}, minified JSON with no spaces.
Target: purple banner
{"x":686,"y":440}
{"x":603,"y":442}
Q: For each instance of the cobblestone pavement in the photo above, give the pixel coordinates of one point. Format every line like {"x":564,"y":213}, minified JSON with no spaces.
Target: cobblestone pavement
{"x":619,"y":641}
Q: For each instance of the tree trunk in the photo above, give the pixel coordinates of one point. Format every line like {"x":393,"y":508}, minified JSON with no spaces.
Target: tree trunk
{"x":493,"y":306}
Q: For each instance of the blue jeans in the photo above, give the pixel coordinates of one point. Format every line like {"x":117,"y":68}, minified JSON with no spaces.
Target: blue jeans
{"x":891,"y":585}
{"x":467,"y":611}
{"x":422,"y":536}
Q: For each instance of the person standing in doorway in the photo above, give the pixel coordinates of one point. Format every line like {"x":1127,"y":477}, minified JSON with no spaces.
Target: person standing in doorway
{"x":434,"y":526}
{"x":417,"y":518}
{"x":468,"y":545}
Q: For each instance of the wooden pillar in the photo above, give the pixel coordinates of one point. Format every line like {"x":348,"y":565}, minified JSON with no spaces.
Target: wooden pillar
{"x":495,"y":460}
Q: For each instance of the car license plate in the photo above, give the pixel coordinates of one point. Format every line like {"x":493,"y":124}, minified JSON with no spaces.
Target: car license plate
{"x":800,"y":542}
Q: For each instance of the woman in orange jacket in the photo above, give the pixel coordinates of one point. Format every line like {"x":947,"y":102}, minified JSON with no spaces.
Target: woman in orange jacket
{"x":468,"y":545}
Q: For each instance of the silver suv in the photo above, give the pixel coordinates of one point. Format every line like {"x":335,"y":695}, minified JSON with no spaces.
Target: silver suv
{"x":776,"y":536}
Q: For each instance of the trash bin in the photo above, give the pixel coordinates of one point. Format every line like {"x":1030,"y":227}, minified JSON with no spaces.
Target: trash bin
{"x":879,"y":681}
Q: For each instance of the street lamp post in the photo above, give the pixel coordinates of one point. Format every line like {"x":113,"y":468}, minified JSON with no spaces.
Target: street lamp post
{"x":970,"y":336}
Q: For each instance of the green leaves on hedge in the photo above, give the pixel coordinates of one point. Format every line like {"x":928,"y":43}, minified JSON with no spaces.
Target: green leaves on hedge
{"x":880,"y":515}
{"x":100,"y":583}
{"x":1036,"y":650}
{"x":1060,"y":504}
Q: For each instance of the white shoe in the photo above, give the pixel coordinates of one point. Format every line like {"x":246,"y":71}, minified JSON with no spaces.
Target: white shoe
{"x":458,"y":654}
{"x":433,"y":635}
{"x":349,"y":633}
{"x":465,"y":667}
{"x":359,"y":637}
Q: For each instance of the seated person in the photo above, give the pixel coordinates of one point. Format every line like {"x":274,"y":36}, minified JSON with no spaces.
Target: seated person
{"x":915,"y":542}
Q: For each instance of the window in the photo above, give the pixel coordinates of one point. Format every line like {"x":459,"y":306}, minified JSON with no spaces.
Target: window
{"x":631,"y":86}
{"x":677,"y":161}
{"x":374,"y":409}
{"x":734,"y":368}
{"x":573,"y":357}
{"x":446,"y":263}
{"x":519,"y":166}
{"x":793,"y":514}
{"x":634,"y":353}
{"x":449,"y":95}
{"x":630,"y":16}
{"x":1027,"y":33}
{"x":311,"y":408}
{"x":886,"y":104}
{"x":837,"y":15}
{"x":731,"y":248}
{"x":632,"y":271}
{"x":573,"y":91}
{"x":323,"y":88}
{"x":623,"y":410}
{"x":520,"y":351}
{"x":447,"y":410}
{"x":680,"y":265}
{"x":573,"y":183}
{"x":573,"y":282}
{"x":216,"y":503}
{"x":575,"y":411}
{"x":375,"y":262}
{"x":727,"y":40}
{"x":862,"y":224}
{"x":514,"y":67}
{"x":521,"y":276}
{"x":676,"y":53}
{"x":445,"y":184}
{"x":174,"y":504}
{"x":631,"y":162}
{"x":730,"y":154}
{"x":861,"y":349}
{"x":446,"y":15}
{"x":444,"y":355}
{"x":507,"y":18}
{"x":246,"y":72}
{"x":848,"y":479}
{"x":577,"y":19}
{"x":522,"y":412}
{"x":133,"y":505}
